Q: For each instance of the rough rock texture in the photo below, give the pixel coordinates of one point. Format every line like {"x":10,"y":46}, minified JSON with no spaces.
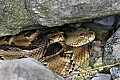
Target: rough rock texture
{"x":106,"y":21}
{"x":102,"y":77}
{"x":59,"y":12}
{"x":13,"y":16}
{"x":112,"y":49}
{"x":115,"y":72}
{"x":25,"y":69}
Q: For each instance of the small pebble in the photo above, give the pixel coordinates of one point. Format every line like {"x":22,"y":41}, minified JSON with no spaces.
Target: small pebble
{"x":102,"y":77}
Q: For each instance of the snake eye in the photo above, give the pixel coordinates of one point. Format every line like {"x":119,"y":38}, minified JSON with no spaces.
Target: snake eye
{"x":81,"y":37}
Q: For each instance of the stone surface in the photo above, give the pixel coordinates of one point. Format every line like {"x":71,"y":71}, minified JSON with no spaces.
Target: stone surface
{"x":96,"y":54}
{"x":19,"y":13}
{"x":115,"y":72}
{"x":59,"y":12}
{"x":106,"y":21}
{"x":102,"y":77}
{"x":25,"y":69}
{"x":13,"y":16}
{"x":112,"y":49}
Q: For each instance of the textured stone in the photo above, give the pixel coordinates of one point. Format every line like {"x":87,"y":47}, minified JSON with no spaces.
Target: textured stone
{"x":19,"y":13}
{"x":59,"y":12}
{"x":25,"y":69}
{"x":112,"y":49}
{"x":102,"y":77}
{"x":115,"y":72}
{"x":13,"y":16}
{"x":96,"y":54}
{"x":107,"y":21}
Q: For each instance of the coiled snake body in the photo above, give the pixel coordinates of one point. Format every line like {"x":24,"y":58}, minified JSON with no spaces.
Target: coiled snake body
{"x":38,"y":44}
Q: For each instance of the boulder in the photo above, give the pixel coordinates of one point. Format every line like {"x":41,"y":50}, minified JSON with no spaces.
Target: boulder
{"x":25,"y":69}
{"x":13,"y":16}
{"x":112,"y":49}
{"x":17,"y":14}
{"x":59,"y":12}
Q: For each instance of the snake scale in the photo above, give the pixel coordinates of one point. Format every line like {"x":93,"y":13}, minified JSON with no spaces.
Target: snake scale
{"x":43,"y":44}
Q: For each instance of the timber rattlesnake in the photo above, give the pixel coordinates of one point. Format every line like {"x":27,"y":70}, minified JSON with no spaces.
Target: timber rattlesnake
{"x":37,"y":43}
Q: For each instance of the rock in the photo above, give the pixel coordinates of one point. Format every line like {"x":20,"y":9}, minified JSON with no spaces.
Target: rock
{"x":117,"y":79}
{"x":19,"y":13}
{"x":59,"y":12}
{"x":112,"y":49}
{"x":102,"y":77}
{"x":25,"y":69}
{"x":13,"y":16}
{"x":98,"y":62}
{"x":115,"y":72}
{"x":106,"y":21}
{"x":96,"y":54}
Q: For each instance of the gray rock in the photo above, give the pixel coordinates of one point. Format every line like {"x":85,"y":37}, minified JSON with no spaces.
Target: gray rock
{"x":115,"y":72}
{"x":13,"y":16}
{"x":117,"y":79}
{"x":25,"y":69}
{"x":112,"y":49}
{"x":59,"y":12}
{"x":96,"y":54}
{"x":102,"y":77}
{"x":107,"y":21}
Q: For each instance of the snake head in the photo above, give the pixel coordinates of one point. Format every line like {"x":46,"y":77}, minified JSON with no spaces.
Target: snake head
{"x":56,"y":37}
{"x":79,"y":37}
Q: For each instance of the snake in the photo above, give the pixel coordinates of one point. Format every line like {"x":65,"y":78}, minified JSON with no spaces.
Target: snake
{"x":68,"y":62}
{"x":42,"y":43}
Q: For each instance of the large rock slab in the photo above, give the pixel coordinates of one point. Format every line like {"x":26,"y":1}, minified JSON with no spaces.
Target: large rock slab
{"x":59,"y":12}
{"x":16,"y":14}
{"x":25,"y":69}
{"x":112,"y":49}
{"x":13,"y":16}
